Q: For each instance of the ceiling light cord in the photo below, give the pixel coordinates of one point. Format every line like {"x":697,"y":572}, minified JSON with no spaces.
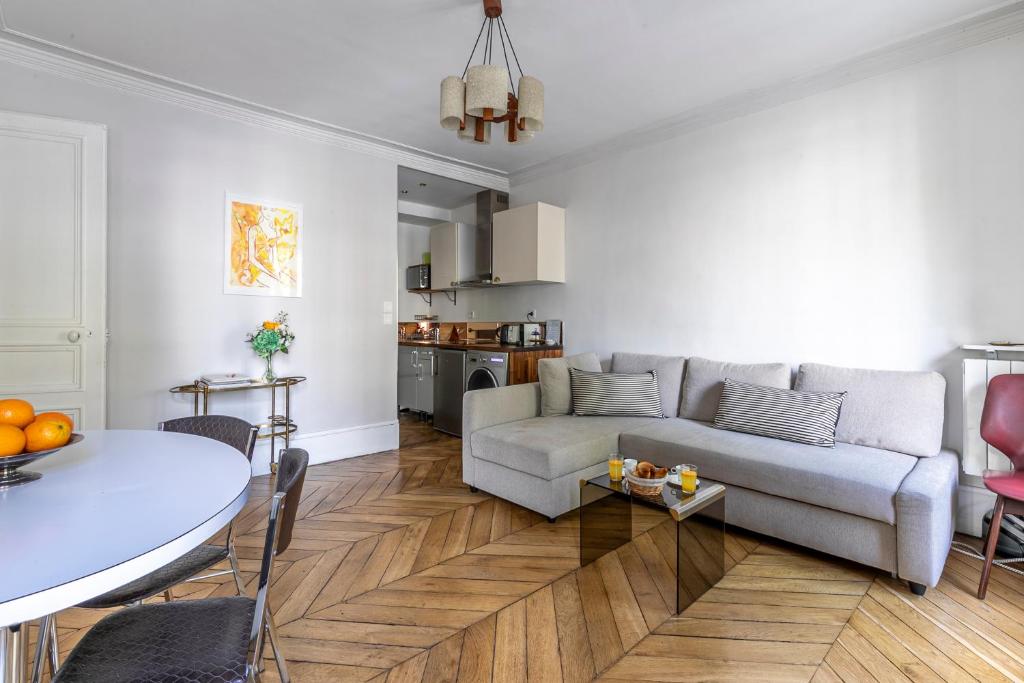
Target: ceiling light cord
{"x":473,"y":52}
{"x":508,"y":67}
{"x":490,"y":39}
{"x":501,"y":22}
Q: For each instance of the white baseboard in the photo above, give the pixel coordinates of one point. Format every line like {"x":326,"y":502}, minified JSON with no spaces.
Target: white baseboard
{"x":334,"y":444}
{"x":974,"y":502}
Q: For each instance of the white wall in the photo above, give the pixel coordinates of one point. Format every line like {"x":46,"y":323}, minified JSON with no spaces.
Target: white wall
{"x":878,"y":225}
{"x":168,"y":170}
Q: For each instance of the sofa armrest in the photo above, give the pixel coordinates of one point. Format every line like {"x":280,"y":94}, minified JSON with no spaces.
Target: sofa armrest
{"x":925,"y":513}
{"x":489,"y":407}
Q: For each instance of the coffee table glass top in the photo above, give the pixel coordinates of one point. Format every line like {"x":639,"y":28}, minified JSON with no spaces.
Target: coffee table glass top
{"x":672,"y":497}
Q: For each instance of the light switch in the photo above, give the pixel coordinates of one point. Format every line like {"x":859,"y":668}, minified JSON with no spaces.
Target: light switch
{"x":387,"y":312}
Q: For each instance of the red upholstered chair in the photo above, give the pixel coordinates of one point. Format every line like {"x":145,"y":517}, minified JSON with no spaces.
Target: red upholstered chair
{"x":1002,"y":426}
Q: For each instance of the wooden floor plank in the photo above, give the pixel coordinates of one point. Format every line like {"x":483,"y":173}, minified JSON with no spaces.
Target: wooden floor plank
{"x":510,"y":644}
{"x":542,"y":637}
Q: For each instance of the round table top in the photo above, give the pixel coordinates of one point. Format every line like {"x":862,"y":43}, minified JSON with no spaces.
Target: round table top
{"x":109,"y":510}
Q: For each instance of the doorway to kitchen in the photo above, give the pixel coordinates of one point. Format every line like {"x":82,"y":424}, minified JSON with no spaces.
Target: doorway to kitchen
{"x":433,"y":212}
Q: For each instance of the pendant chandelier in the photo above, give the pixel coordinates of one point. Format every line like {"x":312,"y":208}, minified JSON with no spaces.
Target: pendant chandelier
{"x":485,"y":93}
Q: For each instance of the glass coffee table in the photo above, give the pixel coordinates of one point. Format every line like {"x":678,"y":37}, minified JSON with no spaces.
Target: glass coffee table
{"x":685,"y":529}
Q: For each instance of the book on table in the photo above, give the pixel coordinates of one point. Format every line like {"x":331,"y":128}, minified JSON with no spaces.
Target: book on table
{"x":226,"y":379}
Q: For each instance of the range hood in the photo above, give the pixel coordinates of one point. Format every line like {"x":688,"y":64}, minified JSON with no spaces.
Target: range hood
{"x":477,"y":240}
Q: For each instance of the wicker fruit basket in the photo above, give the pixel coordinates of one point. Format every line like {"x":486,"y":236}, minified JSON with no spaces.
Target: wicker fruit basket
{"x":645,"y":487}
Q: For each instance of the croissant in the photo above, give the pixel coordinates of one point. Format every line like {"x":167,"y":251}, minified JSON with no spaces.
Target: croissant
{"x":644,"y":470}
{"x":660,"y":472}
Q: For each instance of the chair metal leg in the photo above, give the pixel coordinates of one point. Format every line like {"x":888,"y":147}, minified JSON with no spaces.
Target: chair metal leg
{"x":990,"y":545}
{"x":13,"y":653}
{"x":54,"y":647}
{"x":282,"y":667}
{"x":42,"y":651}
{"x":233,"y":559}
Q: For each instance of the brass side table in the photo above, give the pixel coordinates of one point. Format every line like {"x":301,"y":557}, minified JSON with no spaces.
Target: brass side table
{"x":277,"y":426}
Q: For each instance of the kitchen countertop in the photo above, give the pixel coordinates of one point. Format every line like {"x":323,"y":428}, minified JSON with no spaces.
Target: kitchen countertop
{"x":478,"y":346}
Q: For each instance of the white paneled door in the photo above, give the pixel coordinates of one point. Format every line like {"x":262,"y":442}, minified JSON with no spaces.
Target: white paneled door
{"x":53,"y":220}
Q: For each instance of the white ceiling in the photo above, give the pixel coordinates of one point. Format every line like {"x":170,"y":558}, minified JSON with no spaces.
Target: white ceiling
{"x":433,"y":190}
{"x":374,"y":66}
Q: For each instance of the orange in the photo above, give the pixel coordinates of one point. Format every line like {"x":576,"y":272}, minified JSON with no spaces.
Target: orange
{"x":14,"y":411}
{"x":12,"y":440}
{"x":43,"y":435}
{"x":55,"y":416}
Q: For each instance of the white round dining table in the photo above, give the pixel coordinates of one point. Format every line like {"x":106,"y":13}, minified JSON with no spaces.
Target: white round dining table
{"x":108,"y":510}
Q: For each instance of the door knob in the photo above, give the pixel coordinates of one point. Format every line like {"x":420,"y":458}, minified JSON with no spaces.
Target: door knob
{"x":74,"y":336}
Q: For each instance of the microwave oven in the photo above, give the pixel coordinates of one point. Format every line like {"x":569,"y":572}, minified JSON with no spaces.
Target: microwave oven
{"x":418,"y":277}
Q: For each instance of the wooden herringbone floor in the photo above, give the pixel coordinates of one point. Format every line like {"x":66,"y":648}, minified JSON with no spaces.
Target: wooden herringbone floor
{"x":397,"y":572}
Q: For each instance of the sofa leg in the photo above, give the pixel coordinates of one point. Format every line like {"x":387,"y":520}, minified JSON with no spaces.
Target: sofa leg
{"x":552,"y":520}
{"x":917,"y":588}
{"x":473,"y":489}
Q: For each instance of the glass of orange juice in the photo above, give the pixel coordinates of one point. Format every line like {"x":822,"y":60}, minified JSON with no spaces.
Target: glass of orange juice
{"x":615,"y":466}
{"x":688,"y":478}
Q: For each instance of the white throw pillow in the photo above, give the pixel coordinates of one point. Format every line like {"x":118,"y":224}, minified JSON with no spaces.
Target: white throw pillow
{"x":555,"y":388}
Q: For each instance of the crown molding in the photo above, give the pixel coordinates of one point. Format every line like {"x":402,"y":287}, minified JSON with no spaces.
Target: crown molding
{"x":969,"y":32}
{"x":33,"y":53}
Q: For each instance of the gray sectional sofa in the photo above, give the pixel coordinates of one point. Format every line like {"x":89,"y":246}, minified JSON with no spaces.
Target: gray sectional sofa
{"x":885,"y":496}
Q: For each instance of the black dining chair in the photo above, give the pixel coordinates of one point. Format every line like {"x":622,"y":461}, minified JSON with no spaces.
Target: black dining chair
{"x":213,"y":640}
{"x":232,"y":431}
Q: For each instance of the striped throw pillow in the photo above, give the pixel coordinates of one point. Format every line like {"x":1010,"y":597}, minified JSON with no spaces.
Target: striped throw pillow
{"x":802,"y":416}
{"x":615,"y":393}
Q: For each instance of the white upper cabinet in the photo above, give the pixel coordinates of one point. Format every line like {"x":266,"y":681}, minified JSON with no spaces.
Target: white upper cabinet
{"x":443,"y":255}
{"x":529,"y":245}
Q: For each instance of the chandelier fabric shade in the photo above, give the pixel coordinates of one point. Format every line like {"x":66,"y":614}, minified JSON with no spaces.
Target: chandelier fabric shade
{"x":486,"y":94}
{"x":487,"y":88}
{"x":453,"y":102}
{"x":531,"y":104}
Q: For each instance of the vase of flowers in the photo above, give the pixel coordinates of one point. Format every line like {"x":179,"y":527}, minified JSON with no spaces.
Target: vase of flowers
{"x":269,"y":338}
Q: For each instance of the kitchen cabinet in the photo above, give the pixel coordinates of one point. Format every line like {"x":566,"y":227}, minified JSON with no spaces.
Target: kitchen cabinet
{"x":443,"y":255}
{"x":416,"y":371}
{"x":529,"y":245}
{"x":452,"y":254}
{"x":425,"y":381}
{"x":407,"y":370}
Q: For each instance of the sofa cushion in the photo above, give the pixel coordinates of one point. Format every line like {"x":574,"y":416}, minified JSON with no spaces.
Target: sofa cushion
{"x":549,"y":447}
{"x":854,"y":479}
{"x":615,"y":393}
{"x":702,"y":385}
{"x":670,"y":375}
{"x":887,"y":409}
{"x":802,"y":416}
{"x":553,"y":373}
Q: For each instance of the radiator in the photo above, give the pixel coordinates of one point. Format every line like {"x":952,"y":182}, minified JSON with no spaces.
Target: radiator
{"x":978,"y":456}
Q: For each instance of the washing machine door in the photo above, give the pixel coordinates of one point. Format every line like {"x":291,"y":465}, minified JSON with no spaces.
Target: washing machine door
{"x":481,"y":378}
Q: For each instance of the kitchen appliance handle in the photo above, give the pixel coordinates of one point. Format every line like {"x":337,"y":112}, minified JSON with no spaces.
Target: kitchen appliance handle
{"x":433,"y":365}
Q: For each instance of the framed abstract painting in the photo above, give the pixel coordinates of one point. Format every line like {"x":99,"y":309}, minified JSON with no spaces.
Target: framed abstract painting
{"x":262,"y":247}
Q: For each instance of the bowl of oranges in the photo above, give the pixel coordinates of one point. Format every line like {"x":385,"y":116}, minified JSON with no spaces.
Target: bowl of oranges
{"x":26,"y":436}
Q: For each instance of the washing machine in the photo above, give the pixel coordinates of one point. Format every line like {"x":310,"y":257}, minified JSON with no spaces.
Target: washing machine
{"x":486,"y":370}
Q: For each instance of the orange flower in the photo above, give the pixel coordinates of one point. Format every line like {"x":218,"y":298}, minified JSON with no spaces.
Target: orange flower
{"x":269,"y":325}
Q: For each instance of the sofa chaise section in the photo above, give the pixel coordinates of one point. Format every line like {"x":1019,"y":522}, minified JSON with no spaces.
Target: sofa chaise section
{"x":534,"y":461}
